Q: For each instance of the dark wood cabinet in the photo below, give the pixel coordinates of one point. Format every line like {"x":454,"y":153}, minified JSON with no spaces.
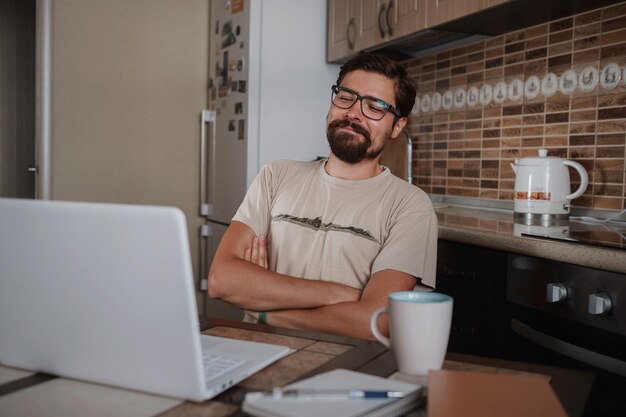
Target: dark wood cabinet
{"x":476,"y":278}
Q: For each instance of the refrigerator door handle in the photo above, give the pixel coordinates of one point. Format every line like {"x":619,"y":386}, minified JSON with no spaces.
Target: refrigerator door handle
{"x":205,"y":234}
{"x":206,"y":186}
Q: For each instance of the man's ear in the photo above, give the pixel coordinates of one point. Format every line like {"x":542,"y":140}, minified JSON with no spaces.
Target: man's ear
{"x":397,"y":128}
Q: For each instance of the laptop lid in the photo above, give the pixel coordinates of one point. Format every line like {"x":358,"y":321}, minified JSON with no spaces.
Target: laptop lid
{"x":105,"y":293}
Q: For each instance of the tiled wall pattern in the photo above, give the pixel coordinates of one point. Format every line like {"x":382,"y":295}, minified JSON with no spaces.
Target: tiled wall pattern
{"x":467,"y":151}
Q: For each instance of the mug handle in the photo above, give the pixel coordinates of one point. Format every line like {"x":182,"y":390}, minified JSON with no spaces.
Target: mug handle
{"x":374,"y":326}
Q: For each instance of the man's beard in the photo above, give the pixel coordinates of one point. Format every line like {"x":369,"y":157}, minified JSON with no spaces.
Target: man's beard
{"x":345,"y":146}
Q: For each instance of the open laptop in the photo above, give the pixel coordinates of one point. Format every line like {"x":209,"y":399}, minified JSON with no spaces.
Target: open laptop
{"x":105,"y":293}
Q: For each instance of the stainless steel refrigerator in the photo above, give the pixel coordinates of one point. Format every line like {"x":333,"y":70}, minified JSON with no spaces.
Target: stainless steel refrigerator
{"x":131,"y":93}
{"x":269,"y":91}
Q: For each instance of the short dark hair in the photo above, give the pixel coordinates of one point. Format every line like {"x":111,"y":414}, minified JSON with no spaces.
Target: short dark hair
{"x":380,"y":64}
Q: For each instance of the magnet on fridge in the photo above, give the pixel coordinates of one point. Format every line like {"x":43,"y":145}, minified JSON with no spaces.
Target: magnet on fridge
{"x":228,"y":40}
{"x":242,"y":86}
{"x":241,"y":63}
{"x":227,"y":28}
{"x":242,"y":127}
{"x":236,"y":6}
{"x":234,"y":86}
{"x":231,"y":125}
{"x":238,"y":108}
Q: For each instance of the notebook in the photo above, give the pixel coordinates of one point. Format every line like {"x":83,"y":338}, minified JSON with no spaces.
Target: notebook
{"x":105,"y":293}
{"x":264,"y":405}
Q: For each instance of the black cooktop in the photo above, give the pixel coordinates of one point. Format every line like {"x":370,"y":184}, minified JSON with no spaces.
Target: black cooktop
{"x":613,"y":237}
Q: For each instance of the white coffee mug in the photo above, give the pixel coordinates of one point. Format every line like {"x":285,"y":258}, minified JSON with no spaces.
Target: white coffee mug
{"x":419,"y":327}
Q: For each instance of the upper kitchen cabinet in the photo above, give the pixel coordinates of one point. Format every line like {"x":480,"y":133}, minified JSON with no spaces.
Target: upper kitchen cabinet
{"x":409,"y":16}
{"x":407,"y":28}
{"x":358,"y":25}
{"x":341,"y":29}
{"x":441,"y":11}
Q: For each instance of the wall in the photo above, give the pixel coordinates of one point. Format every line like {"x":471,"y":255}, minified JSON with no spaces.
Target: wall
{"x":466,"y":152}
{"x":295,"y":81}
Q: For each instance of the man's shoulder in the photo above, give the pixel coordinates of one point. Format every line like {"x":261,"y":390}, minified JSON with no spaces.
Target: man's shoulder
{"x":405,"y":187}
{"x":289,"y":165}
{"x":407,"y":192}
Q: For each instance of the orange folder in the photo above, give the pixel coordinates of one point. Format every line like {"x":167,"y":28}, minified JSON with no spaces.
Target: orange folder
{"x":474,"y":394}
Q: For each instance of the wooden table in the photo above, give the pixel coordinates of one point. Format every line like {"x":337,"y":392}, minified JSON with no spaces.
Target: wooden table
{"x":316,"y":352}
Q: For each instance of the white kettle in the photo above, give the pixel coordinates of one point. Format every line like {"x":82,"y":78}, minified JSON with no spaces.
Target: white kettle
{"x":542,"y":185}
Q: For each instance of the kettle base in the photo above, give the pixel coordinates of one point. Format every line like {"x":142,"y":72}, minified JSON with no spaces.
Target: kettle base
{"x":541,"y":219}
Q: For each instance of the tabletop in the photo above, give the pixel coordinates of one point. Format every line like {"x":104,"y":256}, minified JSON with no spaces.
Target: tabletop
{"x":313,"y":353}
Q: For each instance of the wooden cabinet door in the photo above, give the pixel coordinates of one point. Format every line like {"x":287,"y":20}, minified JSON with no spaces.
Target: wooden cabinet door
{"x":384,"y":20}
{"x":372,"y":30}
{"x":408,"y":16}
{"x":441,"y":11}
{"x":342,"y":29}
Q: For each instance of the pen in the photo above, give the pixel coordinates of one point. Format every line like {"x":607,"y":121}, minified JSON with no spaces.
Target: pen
{"x":334,"y":393}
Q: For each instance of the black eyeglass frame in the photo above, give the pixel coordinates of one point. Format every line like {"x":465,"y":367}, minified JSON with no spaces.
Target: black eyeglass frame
{"x":335,"y":89}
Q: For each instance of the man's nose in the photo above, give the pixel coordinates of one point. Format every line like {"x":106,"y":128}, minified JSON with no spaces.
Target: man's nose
{"x":354,"y":112}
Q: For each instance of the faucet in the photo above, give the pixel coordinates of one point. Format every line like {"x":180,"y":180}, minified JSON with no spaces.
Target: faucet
{"x":409,"y":156}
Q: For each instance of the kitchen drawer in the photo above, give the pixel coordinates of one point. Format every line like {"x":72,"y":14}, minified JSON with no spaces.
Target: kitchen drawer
{"x":477,"y":330}
{"x":472,"y":273}
{"x":469,"y":336}
{"x":463,"y":280}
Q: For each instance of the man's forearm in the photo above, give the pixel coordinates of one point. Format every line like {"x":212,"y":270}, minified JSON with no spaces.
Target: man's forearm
{"x":347,"y":319}
{"x":249,"y":286}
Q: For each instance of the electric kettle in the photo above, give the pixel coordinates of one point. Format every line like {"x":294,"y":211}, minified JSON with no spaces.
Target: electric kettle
{"x":542,"y":188}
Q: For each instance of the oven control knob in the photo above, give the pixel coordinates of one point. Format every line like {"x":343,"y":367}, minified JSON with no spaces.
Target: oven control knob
{"x":556,"y":293}
{"x":599,"y":304}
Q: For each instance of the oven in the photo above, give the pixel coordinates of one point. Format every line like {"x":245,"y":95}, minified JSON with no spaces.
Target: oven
{"x":571,"y":316}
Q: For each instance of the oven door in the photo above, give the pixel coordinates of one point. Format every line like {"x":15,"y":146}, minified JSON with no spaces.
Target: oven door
{"x":550,"y":323}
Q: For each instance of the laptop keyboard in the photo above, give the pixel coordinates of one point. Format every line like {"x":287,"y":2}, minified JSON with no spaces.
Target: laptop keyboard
{"x":216,"y":365}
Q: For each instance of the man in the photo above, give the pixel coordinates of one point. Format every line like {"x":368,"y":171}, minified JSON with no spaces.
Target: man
{"x":344,"y":231}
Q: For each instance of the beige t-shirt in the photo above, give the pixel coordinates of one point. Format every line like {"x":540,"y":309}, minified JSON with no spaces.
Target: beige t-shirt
{"x":326,"y":228}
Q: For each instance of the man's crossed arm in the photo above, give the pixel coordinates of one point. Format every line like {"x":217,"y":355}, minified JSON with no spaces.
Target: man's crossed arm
{"x":240,"y":275}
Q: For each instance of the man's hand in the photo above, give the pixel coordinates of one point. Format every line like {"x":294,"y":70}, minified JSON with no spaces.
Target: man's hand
{"x":240,"y":275}
{"x":259,"y":253}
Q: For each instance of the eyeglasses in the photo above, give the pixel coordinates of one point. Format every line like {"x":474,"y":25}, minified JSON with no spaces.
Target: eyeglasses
{"x":371,"y":107}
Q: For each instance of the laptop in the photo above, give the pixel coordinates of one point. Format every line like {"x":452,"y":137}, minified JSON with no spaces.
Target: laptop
{"x":105,"y":293}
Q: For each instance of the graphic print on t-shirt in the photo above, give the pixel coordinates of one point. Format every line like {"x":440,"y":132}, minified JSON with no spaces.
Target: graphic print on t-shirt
{"x":318,"y":224}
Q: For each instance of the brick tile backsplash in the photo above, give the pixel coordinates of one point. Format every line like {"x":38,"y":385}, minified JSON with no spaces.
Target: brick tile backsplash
{"x":463,"y":145}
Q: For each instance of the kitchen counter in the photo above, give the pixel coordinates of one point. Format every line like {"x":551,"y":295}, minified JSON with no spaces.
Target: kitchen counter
{"x":496,"y":229}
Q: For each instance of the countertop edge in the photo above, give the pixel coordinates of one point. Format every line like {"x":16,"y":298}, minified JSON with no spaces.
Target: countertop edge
{"x":583,"y":255}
